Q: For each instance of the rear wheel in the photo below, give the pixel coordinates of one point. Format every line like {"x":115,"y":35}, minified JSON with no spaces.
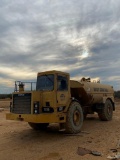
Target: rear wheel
{"x":38,"y":126}
{"x":107,"y":111}
{"x":74,"y":119}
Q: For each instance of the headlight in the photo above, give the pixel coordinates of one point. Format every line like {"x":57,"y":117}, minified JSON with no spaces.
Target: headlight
{"x":61,"y":108}
{"x":36,"y":108}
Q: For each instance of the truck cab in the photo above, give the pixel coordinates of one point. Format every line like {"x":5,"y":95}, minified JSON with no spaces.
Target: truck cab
{"x":55,"y":90}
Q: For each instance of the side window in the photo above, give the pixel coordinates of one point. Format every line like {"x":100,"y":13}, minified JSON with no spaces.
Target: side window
{"x":62,"y":83}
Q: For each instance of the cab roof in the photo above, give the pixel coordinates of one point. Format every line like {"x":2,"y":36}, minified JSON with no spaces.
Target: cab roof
{"x":52,"y":72}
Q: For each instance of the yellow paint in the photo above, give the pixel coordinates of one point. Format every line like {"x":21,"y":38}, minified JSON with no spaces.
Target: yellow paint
{"x":38,"y":118}
{"x":83,"y":91}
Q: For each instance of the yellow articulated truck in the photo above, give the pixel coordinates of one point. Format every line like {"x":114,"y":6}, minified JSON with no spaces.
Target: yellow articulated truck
{"x":57,"y":99}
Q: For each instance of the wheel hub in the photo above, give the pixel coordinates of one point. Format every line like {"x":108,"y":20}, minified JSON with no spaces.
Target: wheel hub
{"x":76,"y":118}
{"x":109,"y":109}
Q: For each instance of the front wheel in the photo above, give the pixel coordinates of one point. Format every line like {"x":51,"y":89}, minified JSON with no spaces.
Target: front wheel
{"x":74,"y":119}
{"x":38,"y":126}
{"x":107,"y":111}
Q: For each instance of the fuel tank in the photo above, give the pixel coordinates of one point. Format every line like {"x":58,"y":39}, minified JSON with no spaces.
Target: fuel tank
{"x":90,"y":93}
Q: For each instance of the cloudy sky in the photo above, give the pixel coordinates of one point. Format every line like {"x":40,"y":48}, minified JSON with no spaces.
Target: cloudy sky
{"x":81,"y":37}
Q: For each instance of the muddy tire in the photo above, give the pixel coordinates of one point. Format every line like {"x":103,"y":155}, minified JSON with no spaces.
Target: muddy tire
{"x":107,"y":112}
{"x":38,"y":126}
{"x":74,"y":119}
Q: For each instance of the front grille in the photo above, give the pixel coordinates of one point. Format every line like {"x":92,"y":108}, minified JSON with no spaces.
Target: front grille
{"x":22,"y":103}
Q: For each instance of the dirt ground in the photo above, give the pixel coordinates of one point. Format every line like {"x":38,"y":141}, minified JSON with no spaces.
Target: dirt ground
{"x":19,"y":142}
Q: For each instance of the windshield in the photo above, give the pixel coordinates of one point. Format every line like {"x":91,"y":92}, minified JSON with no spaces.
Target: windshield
{"x":45,"y":82}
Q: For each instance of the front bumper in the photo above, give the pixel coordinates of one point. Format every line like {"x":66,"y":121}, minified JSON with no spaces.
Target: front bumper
{"x":38,"y":118}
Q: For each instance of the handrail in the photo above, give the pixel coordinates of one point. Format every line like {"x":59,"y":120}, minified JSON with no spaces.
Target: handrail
{"x":17,"y":83}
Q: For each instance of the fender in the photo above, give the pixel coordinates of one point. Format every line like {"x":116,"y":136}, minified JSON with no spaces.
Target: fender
{"x":111,"y":99}
{"x":72,"y":99}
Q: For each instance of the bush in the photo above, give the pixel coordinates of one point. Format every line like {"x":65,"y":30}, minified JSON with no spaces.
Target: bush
{"x":117,"y":94}
{"x":3,"y":96}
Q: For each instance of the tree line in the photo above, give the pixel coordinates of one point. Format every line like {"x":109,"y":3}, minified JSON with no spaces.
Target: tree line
{"x":3,"y":96}
{"x":117,"y":94}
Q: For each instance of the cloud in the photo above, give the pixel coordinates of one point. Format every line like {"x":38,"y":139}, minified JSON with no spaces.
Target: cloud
{"x":80,"y":37}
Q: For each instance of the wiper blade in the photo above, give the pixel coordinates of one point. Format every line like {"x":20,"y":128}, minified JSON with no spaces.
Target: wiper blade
{"x":49,"y":78}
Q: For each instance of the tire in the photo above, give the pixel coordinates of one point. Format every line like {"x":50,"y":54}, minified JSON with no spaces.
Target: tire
{"x":38,"y":126}
{"x":107,"y":112}
{"x":74,"y":119}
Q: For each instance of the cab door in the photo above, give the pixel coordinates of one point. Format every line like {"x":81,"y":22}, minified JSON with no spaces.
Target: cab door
{"x":63,"y":91}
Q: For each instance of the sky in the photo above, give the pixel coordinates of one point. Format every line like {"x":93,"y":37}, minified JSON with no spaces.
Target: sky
{"x":79,"y":37}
